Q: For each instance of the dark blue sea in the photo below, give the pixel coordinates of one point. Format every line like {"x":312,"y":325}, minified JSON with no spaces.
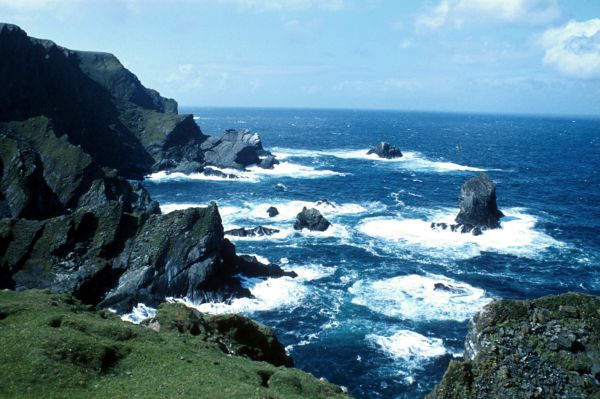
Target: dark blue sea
{"x":363,"y":312}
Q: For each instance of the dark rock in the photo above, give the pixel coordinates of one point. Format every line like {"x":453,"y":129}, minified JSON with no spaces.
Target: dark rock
{"x":311,"y":219}
{"x":281,"y":187}
{"x":447,"y":288}
{"x":477,"y":203}
{"x":385,"y":150}
{"x":252,"y":267}
{"x":186,"y":167}
{"x":253,"y":232}
{"x":234,"y":149}
{"x":95,"y":102}
{"x":526,"y":349}
{"x":272,"y":211}
{"x":218,"y":173}
{"x":236,"y":335}
{"x":171,"y":255}
{"x":476,"y":231}
{"x":268,"y":162}
{"x":326,"y":202}
{"x":436,"y":226}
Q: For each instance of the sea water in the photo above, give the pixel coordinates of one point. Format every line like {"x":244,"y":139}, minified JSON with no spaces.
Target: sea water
{"x":363,"y":311}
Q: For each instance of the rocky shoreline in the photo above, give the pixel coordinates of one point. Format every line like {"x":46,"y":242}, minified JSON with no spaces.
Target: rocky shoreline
{"x":75,"y":127}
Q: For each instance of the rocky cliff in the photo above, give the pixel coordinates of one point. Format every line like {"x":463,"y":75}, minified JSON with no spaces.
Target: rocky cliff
{"x":96,"y":103}
{"x":543,"y":348}
{"x":74,"y":125}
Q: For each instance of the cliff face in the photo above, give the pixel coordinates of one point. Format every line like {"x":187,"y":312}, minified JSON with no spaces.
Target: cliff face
{"x":95,"y":102}
{"x":73,"y":126}
{"x":543,"y":348}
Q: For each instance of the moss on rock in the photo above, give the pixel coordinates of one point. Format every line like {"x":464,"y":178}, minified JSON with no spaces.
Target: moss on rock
{"x":543,"y":348}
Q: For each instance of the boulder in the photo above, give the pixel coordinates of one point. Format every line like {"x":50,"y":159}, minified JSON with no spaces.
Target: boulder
{"x":311,"y":219}
{"x":218,"y":173}
{"x":543,"y":348}
{"x":234,"y":149}
{"x":385,"y":150}
{"x":268,"y":162}
{"x":253,"y":232}
{"x":272,"y":211}
{"x":477,"y":202}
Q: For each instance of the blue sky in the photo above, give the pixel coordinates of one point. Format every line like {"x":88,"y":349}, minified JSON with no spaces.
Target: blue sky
{"x":506,"y":56}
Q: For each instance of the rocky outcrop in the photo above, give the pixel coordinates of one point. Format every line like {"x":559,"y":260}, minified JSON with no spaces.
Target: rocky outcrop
{"x":385,"y":150}
{"x":311,"y":219}
{"x":234,"y":334}
{"x":258,"y":231}
{"x":59,"y":347}
{"x":95,"y":102}
{"x":478,"y":209}
{"x":477,"y":203}
{"x":543,"y":348}
{"x":237,"y":149}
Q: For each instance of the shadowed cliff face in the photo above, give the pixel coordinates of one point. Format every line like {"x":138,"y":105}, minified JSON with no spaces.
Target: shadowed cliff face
{"x":74,"y":125}
{"x":93,"y":100}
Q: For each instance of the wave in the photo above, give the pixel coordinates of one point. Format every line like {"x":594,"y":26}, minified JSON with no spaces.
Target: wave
{"x":269,"y":294}
{"x":411,"y":160}
{"x":517,"y":236}
{"x":415,"y":297}
{"x":253,"y":174}
{"x":139,"y":313}
{"x":408,"y":346}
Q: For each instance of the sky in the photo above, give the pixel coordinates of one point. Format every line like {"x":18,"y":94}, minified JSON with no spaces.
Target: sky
{"x":499,"y":56}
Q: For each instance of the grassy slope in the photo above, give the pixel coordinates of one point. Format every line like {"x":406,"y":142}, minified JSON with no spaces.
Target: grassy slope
{"x":55,"y":347}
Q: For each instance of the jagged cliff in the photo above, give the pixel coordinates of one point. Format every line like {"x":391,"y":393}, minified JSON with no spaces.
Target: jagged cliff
{"x":74,"y":125}
{"x":543,"y":348}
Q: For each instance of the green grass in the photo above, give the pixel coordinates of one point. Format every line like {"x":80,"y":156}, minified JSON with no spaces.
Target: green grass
{"x":52,"y":346}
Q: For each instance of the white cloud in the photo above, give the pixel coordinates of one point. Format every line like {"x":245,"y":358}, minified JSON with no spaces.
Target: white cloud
{"x":287,"y":5}
{"x":435,"y":17}
{"x":574,"y":48}
{"x":458,"y":13}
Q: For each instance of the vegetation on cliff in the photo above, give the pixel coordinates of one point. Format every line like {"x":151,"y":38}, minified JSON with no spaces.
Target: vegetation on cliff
{"x":54,"y":346}
{"x":543,"y":348}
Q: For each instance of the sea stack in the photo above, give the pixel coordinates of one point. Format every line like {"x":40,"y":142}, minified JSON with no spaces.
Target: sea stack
{"x":477,"y":203}
{"x":311,"y":219}
{"x":385,"y":150}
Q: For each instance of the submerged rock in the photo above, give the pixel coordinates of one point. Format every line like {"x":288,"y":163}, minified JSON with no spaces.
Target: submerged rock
{"x":218,"y":173}
{"x":385,"y":150}
{"x":272,"y":211}
{"x":253,"y":232}
{"x":477,"y":203}
{"x":543,"y":348}
{"x":326,"y":202}
{"x":311,"y":219}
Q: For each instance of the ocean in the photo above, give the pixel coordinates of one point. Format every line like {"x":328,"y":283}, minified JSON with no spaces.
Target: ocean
{"x":362,"y":312}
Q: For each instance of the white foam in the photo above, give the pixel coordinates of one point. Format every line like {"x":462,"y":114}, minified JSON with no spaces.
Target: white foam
{"x":253,"y":174}
{"x":138,"y":313}
{"x":411,"y":160}
{"x":517,"y":236}
{"x":269,"y":294}
{"x":409,"y":346}
{"x":414,"y":297}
